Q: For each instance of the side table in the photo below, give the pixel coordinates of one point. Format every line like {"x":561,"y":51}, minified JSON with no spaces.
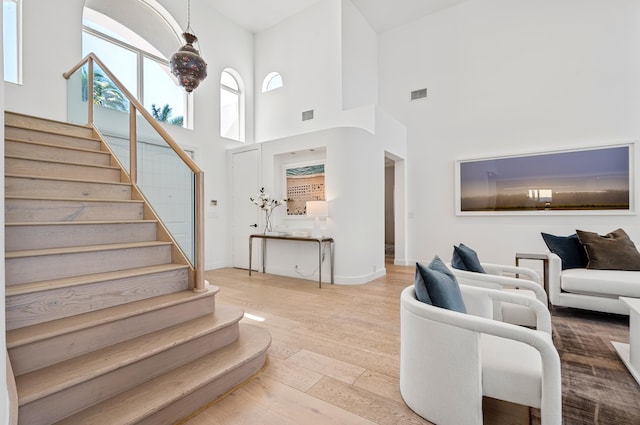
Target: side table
{"x":630,"y":353}
{"x":545,"y":268}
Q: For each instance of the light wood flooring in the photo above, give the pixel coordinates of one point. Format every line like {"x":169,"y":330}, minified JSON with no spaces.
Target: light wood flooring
{"x":334,"y":357}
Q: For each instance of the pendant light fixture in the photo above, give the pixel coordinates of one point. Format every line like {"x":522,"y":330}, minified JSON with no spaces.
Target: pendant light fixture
{"x":186,"y":64}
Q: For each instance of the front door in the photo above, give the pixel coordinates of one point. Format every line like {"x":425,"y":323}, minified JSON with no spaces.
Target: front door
{"x":245,"y":183}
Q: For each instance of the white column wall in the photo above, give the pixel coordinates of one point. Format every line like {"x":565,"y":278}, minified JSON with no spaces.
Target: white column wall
{"x":359,"y":59}
{"x":52,"y":47}
{"x":354,"y":185}
{"x":503,"y":77}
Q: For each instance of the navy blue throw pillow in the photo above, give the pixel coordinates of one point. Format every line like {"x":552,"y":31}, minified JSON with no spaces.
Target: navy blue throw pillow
{"x":465,"y":258}
{"x":441,"y":285}
{"x":569,"y":249}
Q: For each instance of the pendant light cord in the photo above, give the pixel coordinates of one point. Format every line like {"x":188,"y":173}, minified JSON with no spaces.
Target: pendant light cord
{"x":188,"y":16}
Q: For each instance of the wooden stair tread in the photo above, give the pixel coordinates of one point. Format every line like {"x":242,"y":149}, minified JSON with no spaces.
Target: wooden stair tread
{"x":40,"y":383}
{"x":65,"y":282}
{"x":64,"y":179}
{"x":11,"y":116}
{"x":56,"y":132}
{"x":53,"y":145}
{"x":74,"y":223}
{"x":71,"y":199}
{"x":55,"y":161}
{"x":81,"y":249}
{"x":42,"y":331}
{"x":136,"y":403}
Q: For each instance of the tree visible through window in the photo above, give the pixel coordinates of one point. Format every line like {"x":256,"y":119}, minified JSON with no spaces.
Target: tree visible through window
{"x":141,"y":68}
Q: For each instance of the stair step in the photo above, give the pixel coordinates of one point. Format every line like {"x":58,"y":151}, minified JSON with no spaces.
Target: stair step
{"x":14,"y":119}
{"x":18,"y":208}
{"x":53,"y":138}
{"x":44,"y":235}
{"x":32,"y":303}
{"x":37,"y":346}
{"x":29,"y":149}
{"x":34,"y":167}
{"x":178,"y":393}
{"x":64,"y":188}
{"x":56,"y":391}
{"x":55,"y":263}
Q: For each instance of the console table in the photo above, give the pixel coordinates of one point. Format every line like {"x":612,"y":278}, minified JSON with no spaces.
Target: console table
{"x":630,"y":353}
{"x":320,"y":241}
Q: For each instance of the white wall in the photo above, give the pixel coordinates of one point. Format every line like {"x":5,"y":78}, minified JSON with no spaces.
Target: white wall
{"x":4,"y":390}
{"x":359,"y":59}
{"x":508,"y":77}
{"x":52,"y":47}
{"x":305,"y":50}
{"x":354,"y":185}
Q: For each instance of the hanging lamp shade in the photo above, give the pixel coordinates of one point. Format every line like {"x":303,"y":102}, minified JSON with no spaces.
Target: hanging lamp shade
{"x":187,"y":65}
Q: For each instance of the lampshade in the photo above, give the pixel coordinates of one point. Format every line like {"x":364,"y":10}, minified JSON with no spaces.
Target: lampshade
{"x":317,"y":208}
{"x":187,"y":65}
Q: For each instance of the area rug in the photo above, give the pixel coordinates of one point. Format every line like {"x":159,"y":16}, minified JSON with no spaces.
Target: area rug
{"x":597,"y":388}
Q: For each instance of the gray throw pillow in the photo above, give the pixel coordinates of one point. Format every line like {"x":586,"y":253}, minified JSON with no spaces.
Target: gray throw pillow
{"x":465,"y":258}
{"x":420,"y":286}
{"x":613,"y":251}
{"x":442,"y":286}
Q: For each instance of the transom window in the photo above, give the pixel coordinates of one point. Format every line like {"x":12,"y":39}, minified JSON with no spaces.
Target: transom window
{"x":231,"y":106}
{"x":11,"y":40}
{"x":272,"y":81}
{"x":139,"y":66}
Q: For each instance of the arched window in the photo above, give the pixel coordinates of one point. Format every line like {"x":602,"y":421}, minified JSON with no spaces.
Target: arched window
{"x":11,"y":37}
{"x":139,"y":65}
{"x":231,"y":106}
{"x":272,"y":81}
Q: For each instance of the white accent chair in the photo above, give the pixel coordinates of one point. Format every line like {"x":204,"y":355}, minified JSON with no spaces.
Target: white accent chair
{"x":502,"y":277}
{"x":450,"y":360}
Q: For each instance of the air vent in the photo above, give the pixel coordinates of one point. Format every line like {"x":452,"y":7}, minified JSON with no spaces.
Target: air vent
{"x":418,"y":94}
{"x":307,"y":115}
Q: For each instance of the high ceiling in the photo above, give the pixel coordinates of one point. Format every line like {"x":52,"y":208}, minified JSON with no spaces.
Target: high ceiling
{"x":258,"y":15}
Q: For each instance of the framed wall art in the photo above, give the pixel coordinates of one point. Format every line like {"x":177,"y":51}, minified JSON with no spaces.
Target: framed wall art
{"x":594,"y":180}
{"x":303,"y":182}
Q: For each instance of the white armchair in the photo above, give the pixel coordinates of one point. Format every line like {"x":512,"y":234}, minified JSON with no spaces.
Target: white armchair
{"x":450,"y":360}
{"x":502,"y":277}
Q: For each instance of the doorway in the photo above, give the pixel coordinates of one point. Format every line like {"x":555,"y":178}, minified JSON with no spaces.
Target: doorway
{"x":394,"y":210}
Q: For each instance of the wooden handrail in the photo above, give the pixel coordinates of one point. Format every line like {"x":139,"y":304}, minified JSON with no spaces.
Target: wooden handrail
{"x":136,"y":106}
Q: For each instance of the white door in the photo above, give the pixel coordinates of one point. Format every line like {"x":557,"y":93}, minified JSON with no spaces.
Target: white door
{"x":245,"y":215}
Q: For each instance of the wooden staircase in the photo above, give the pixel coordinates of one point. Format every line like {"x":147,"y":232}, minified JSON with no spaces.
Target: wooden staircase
{"x":102,"y":324}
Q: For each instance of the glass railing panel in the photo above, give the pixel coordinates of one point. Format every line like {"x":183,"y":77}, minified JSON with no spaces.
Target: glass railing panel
{"x":77,"y":109}
{"x":169,"y":185}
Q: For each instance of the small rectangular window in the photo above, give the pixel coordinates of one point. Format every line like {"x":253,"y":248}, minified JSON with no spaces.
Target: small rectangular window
{"x":11,"y":40}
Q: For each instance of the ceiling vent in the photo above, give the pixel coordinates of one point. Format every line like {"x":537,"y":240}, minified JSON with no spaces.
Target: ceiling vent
{"x":418,"y":94}
{"x":307,"y":115}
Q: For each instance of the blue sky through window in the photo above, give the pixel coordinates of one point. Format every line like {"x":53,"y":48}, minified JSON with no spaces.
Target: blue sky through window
{"x":10,"y":40}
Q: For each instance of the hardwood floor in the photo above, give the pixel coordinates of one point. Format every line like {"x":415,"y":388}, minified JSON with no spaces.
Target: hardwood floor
{"x":334,"y":357}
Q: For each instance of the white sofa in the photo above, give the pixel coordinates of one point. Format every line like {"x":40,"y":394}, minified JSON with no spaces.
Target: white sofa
{"x":597,"y":290}
{"x":450,"y":360}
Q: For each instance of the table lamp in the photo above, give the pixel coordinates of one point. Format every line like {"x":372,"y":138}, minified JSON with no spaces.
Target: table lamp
{"x":317,"y":209}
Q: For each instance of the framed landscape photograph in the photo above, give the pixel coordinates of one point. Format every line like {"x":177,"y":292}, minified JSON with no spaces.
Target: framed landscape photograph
{"x":595,"y":180}
{"x":303,"y":182}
